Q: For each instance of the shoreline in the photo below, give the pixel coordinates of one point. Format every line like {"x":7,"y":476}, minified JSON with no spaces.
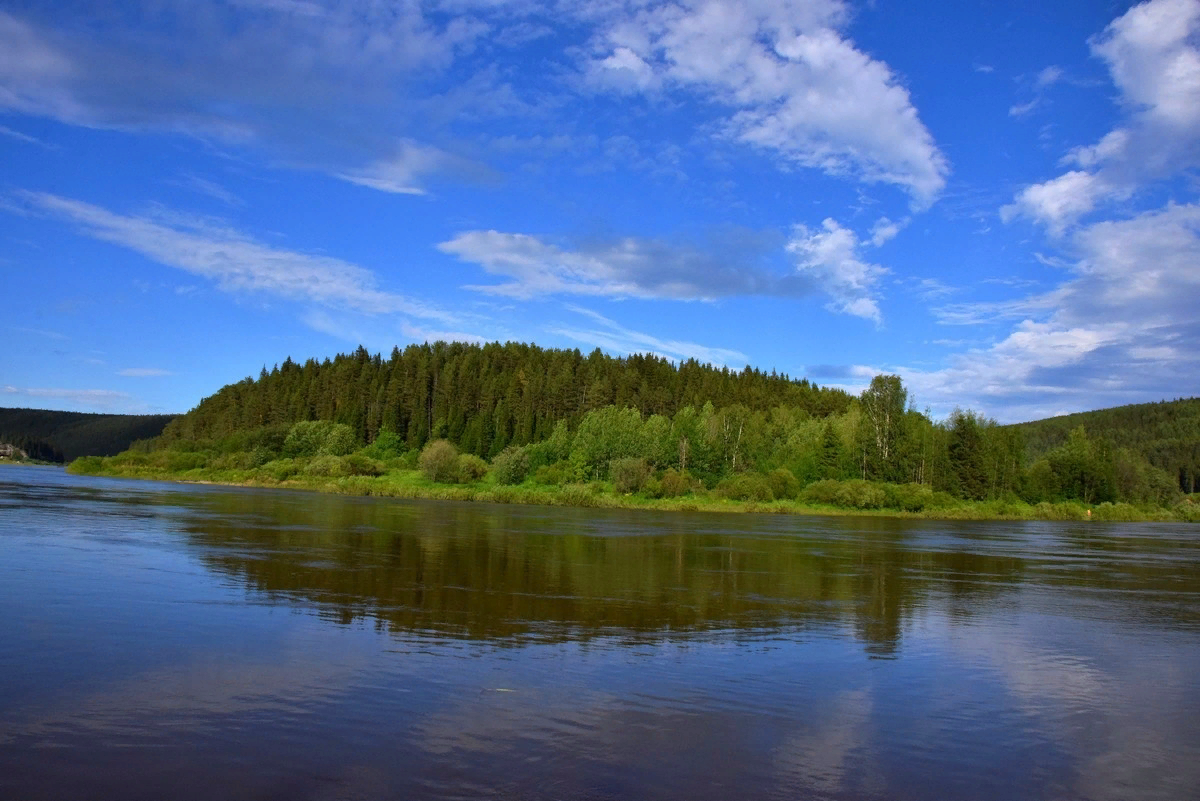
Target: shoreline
{"x":410,"y":485}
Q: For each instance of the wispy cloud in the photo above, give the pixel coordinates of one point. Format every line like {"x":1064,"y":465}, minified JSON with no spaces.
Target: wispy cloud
{"x":40,"y":332}
{"x":143,"y":372}
{"x":235,"y":262}
{"x":616,"y":338}
{"x":628,"y":267}
{"x":20,"y":137}
{"x":101,"y":399}
{"x":209,"y":188}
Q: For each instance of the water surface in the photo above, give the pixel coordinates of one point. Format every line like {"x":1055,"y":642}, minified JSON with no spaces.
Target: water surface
{"x":172,"y":641}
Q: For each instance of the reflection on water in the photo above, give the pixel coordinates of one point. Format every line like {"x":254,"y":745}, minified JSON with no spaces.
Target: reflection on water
{"x":163,"y":640}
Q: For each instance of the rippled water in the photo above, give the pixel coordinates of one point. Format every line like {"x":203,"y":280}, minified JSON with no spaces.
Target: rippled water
{"x":167,"y":641}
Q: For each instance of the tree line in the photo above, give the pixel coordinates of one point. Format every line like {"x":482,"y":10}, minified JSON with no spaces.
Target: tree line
{"x":645,"y":425}
{"x":55,"y":436}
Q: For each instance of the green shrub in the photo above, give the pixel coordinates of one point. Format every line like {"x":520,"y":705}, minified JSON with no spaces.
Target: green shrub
{"x":511,"y":465}
{"x":180,"y":462}
{"x":908,"y":497}
{"x":310,"y":437}
{"x":260,"y":456}
{"x":387,"y":445}
{"x":87,"y":466}
{"x":471,"y":467}
{"x":850,"y":494}
{"x":280,"y":469}
{"x":552,"y":475}
{"x":326,"y":464}
{"x":745,"y":487}
{"x":1186,"y":510}
{"x":628,"y":474}
{"x":359,"y":464}
{"x":439,"y":462}
{"x":783,"y":484}
{"x":675,"y":483}
{"x":652,"y":488}
{"x":1059,"y":511}
{"x":577,"y":495}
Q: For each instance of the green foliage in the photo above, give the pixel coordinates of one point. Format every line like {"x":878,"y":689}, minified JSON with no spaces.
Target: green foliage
{"x":1083,"y":469}
{"x":552,"y":475}
{"x":745,"y":487}
{"x":783,"y":484}
{"x":966,"y":456}
{"x":1187,"y":510}
{"x":439,"y":462}
{"x":1059,"y":511}
{"x":86,"y":466}
{"x":511,"y":465}
{"x":312,"y":437}
{"x":326,"y":464}
{"x":629,"y":474}
{"x":675,"y":483}
{"x":911,"y":497}
{"x":64,"y":436}
{"x":360,"y":464}
{"x":387,"y":445}
{"x":851,"y":494}
{"x":883,"y":405}
{"x":471,"y":467}
{"x":604,"y":435}
{"x":180,"y":462}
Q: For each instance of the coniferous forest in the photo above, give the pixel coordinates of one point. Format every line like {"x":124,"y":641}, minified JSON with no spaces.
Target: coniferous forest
{"x":514,"y":415}
{"x":53,"y":436}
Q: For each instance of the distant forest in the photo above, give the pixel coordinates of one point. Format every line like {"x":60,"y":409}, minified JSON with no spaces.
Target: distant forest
{"x":1167,"y":433}
{"x":570,"y":417}
{"x":51,"y":436}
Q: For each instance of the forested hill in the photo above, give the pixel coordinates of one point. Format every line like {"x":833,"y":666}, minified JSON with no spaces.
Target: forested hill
{"x":484,"y":397}
{"x":55,"y":436}
{"x":1167,"y":433}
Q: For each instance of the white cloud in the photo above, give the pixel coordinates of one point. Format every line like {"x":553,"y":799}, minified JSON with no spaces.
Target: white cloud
{"x":143,"y":372}
{"x":884,"y":230}
{"x":628,"y":267}
{"x":1059,"y":202}
{"x":796,"y":85}
{"x":1153,"y":56}
{"x":401,"y":173}
{"x":830,"y":257}
{"x":1048,"y":77}
{"x":235,"y":262}
{"x":1119,"y":331}
{"x":616,"y":338}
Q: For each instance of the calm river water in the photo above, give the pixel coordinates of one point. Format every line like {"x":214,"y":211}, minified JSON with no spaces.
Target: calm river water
{"x":164,"y":641}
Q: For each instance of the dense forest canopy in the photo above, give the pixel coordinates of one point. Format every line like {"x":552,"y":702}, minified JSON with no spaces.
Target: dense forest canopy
{"x":54,"y":436}
{"x":485,"y":397}
{"x":642,"y":421}
{"x":1166,"y":433}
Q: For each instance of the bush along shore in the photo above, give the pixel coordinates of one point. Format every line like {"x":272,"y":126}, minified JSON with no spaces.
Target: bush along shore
{"x":324,"y":456}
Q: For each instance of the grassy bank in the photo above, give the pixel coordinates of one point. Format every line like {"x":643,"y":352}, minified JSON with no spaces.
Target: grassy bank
{"x":840,"y":498}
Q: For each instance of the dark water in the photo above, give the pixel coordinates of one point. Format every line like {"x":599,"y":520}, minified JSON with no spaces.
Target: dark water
{"x":171,"y":642}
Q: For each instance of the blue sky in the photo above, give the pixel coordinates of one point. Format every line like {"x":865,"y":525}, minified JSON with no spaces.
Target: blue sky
{"x":996,"y":200}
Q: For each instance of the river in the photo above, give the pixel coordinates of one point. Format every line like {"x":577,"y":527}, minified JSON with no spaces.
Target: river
{"x":194,"y":642}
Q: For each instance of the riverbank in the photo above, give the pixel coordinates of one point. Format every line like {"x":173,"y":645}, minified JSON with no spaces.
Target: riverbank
{"x":412,"y":484}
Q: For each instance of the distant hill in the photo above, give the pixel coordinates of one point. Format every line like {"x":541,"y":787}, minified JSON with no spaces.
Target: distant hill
{"x":74,"y":434}
{"x":1167,"y":433}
